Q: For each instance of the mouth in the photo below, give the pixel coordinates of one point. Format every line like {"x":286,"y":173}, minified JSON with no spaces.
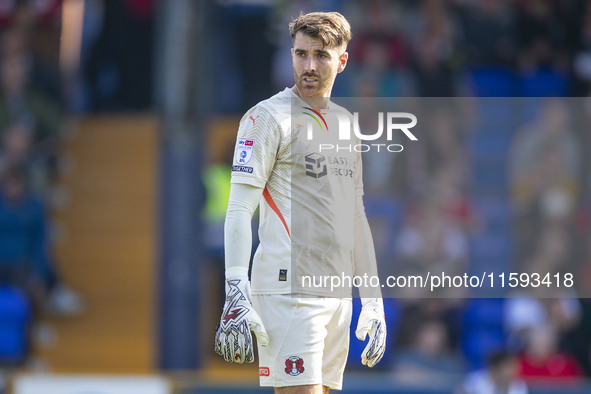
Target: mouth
{"x":310,"y":80}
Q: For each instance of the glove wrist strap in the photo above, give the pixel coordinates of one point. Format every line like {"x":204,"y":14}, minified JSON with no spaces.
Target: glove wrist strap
{"x":233,"y":272}
{"x":365,"y":301}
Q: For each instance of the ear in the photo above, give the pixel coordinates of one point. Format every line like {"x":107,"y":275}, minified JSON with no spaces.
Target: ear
{"x":343,"y":61}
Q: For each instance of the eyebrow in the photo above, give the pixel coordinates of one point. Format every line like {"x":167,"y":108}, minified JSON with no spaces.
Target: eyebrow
{"x":318,"y":51}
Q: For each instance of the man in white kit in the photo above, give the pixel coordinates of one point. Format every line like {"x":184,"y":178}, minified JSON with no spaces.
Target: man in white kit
{"x":303,"y":340}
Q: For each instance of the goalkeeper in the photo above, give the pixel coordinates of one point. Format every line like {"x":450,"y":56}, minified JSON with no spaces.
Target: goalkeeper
{"x":303,"y":342}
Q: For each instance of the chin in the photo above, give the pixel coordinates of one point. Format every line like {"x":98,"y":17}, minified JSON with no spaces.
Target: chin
{"x":310,"y":94}
{"x":307,"y":92}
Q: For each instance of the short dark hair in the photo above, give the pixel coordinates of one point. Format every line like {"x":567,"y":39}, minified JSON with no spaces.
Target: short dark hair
{"x":499,"y":357}
{"x":331,"y":28}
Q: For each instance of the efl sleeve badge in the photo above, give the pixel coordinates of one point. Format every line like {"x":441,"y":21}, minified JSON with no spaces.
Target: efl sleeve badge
{"x":243,"y":152}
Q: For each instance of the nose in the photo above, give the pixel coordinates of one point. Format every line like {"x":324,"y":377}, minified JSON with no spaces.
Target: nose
{"x":310,"y":65}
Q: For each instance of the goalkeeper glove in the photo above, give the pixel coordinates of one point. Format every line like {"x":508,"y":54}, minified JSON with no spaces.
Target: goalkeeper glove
{"x":372,"y":321}
{"x":233,"y":339}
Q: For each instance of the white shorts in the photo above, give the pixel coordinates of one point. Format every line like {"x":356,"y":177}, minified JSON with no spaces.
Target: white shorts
{"x":308,"y":340}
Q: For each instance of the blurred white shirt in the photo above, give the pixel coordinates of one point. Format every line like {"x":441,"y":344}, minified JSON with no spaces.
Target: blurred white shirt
{"x":479,"y":382}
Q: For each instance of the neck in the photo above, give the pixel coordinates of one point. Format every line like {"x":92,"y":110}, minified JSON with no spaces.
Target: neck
{"x":314,"y":102}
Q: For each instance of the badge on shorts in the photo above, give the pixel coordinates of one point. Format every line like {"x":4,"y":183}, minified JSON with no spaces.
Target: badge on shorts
{"x":243,"y":151}
{"x":294,"y":366}
{"x":264,"y":371}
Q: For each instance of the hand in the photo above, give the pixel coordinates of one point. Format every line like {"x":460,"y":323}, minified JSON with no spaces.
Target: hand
{"x":233,"y":339}
{"x":372,"y":321}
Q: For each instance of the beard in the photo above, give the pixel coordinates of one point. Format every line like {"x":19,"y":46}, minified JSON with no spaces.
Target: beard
{"x":321,"y":88}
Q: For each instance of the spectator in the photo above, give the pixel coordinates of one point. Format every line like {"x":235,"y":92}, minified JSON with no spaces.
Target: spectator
{"x":500,"y":376}
{"x":433,"y":235}
{"x":379,"y":53}
{"x":546,"y":146}
{"x":435,"y":59}
{"x":25,"y":105}
{"x":429,"y":358}
{"x":120,"y":66}
{"x":17,"y":141}
{"x":543,"y":362}
{"x":581,"y":59}
{"x":524,"y":314}
{"x":541,"y":305}
{"x":449,"y":186}
{"x":489,"y":33}
{"x":18,"y":150}
{"x":25,"y":259}
{"x":544,"y":170}
{"x":542,"y":35}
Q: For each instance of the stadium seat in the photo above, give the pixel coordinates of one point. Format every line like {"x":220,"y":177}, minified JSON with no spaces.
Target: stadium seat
{"x":489,"y":144}
{"x":491,"y":245}
{"x":491,"y":82}
{"x":484,"y":312}
{"x":479,"y":344}
{"x":494,"y":210}
{"x":387,"y":208}
{"x":387,"y":212}
{"x":544,"y":83}
{"x":495,"y":115}
{"x":489,"y":174}
{"x":482,"y":329}
{"x":15,"y":317}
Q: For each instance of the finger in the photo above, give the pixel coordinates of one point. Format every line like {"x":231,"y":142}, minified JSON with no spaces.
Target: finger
{"x":364,"y":356}
{"x":361,"y":332}
{"x":234,"y":353}
{"x":226,"y":348}
{"x":217,"y":348}
{"x":246,"y":344}
{"x":377,"y":346}
{"x":248,"y":349}
{"x":261,"y":333}
{"x":240,"y":348}
{"x":375,"y":359}
{"x":256,"y":325}
{"x":364,"y":326}
{"x":229,"y":350}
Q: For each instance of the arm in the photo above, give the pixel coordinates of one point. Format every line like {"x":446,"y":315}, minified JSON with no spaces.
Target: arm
{"x":371,"y":320}
{"x":254,"y":158}
{"x":242,"y":204}
{"x":364,"y":253}
{"x":233,"y":339}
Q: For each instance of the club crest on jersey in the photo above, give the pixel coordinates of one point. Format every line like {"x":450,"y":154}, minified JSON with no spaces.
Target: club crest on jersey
{"x":243,"y":151}
{"x":294,"y":366}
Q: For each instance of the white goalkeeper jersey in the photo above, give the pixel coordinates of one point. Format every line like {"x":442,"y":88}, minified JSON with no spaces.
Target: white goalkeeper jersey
{"x":310,"y":179}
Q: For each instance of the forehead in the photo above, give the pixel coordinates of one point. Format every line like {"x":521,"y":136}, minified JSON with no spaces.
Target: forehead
{"x":305,"y":42}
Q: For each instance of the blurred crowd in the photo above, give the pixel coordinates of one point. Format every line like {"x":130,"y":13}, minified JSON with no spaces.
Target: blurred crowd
{"x":406,"y":47}
{"x":38,"y":96}
{"x":31,"y":125}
